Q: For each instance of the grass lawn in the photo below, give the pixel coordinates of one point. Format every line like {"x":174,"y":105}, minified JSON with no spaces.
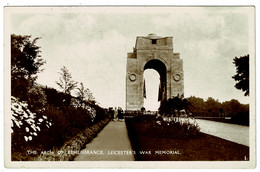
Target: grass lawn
{"x":203,"y":148}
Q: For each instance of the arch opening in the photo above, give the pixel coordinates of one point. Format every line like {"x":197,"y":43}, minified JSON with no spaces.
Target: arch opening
{"x":160,"y":67}
{"x":152,"y":81}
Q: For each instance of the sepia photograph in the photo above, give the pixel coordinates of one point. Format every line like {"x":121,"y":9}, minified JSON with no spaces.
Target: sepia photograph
{"x":129,"y":86}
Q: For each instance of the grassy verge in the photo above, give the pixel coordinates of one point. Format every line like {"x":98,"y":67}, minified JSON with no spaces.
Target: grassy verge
{"x":202,"y":148}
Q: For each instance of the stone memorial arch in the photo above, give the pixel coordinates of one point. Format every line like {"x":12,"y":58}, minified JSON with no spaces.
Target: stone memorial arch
{"x":153,"y":52}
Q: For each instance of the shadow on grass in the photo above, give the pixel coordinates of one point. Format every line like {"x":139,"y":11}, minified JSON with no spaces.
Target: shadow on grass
{"x":151,"y":146}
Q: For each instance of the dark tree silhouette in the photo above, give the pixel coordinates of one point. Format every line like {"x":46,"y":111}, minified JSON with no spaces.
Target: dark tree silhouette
{"x":25,"y":64}
{"x":175,"y":104}
{"x":85,"y":96}
{"x":213,"y":105}
{"x":242,"y":76}
{"x":221,"y":110}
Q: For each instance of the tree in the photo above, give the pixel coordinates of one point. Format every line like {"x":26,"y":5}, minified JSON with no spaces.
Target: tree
{"x":212,"y":106}
{"x":221,"y":110}
{"x":198,"y":106}
{"x":170,"y":106}
{"x":234,"y":106}
{"x":242,"y":76}
{"x":25,"y":64}
{"x":84,"y":95}
{"x":65,"y":81}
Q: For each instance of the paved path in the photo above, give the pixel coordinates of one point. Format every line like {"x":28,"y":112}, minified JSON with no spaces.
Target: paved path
{"x":232,"y":132}
{"x":111,"y":144}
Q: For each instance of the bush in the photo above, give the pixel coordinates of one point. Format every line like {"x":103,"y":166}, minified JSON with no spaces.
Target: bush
{"x":50,"y":127}
{"x":75,"y":144}
{"x":56,"y":98}
{"x":100,"y":113}
{"x":169,"y":127}
{"x":68,"y":121}
{"x":173,"y":106}
{"x":36,"y":98}
{"x":144,"y":118}
{"x":26,"y":126}
{"x":47,"y":119}
{"x":241,"y":118}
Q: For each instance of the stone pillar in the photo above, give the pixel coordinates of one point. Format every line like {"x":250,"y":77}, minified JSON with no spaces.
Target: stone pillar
{"x":177,"y":79}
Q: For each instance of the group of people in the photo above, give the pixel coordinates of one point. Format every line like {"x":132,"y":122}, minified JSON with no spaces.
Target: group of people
{"x":117,"y":114}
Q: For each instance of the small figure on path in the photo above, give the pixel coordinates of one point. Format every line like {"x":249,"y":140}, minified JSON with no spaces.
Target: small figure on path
{"x":115,"y":114}
{"x":111,"y":113}
{"x":120,"y":114}
{"x":143,"y":110}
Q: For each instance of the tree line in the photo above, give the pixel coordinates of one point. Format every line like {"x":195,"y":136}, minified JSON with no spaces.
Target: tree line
{"x":213,"y":108}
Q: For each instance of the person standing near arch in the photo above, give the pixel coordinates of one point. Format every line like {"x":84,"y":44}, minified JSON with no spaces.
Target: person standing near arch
{"x":115,"y":114}
{"x":120,"y":114}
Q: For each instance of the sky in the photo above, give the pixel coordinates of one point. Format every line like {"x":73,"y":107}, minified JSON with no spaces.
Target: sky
{"x":93,"y":44}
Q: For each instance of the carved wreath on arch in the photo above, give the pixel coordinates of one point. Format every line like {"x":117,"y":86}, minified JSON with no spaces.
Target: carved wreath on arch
{"x":132,"y":77}
{"x":177,"y":77}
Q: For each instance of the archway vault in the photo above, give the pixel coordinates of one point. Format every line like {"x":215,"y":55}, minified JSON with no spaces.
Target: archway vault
{"x":160,"y":67}
{"x":153,"y":52}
